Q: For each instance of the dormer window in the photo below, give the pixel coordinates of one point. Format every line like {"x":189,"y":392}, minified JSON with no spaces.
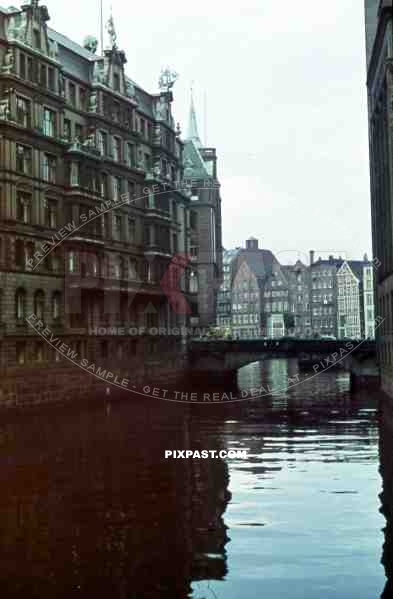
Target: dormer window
{"x":116,"y":82}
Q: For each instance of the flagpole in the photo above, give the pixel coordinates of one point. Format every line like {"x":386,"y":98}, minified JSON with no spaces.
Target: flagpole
{"x":102,"y":26}
{"x":205,"y":117}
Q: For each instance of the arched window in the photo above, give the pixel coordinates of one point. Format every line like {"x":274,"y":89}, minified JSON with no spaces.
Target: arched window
{"x":56,"y":305}
{"x":20,"y":304}
{"x":39,"y":304}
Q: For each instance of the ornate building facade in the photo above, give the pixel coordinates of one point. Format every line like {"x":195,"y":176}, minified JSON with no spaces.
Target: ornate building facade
{"x":93,"y":201}
{"x":379,"y":47}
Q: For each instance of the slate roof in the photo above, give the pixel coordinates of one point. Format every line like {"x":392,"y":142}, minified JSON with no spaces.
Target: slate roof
{"x":261,"y":263}
{"x":78,"y":62}
{"x":355,"y":265}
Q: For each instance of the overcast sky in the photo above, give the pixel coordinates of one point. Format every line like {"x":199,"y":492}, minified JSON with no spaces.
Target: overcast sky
{"x":286,"y":107}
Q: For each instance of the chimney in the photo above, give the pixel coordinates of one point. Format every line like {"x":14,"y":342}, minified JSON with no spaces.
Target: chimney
{"x":312,"y":256}
{"x":252,"y":243}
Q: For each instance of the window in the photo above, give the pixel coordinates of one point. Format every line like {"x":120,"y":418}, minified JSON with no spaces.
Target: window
{"x":39,"y":304}
{"x":49,"y":166}
{"x":103,"y":143}
{"x":116,"y":112}
{"x":23,"y":207}
{"x":19,"y":253}
{"x":30,"y":70}
{"x":39,"y":351}
{"x":72,"y":93}
{"x":78,"y":131}
{"x":132,"y":273}
{"x":130,"y":154}
{"x":56,"y":260}
{"x":117,"y":149}
{"x":116,"y":82}
{"x":67,"y":129}
{"x":193,"y":282}
{"x":72,"y":262}
{"x":49,"y":122}
{"x":37,"y":39}
{"x":43,"y":78}
{"x":51,"y":215}
{"x":23,"y":159}
{"x":74,"y":174}
{"x":117,"y":267}
{"x":104,"y":184}
{"x":131,"y":191}
{"x":117,"y":226}
{"x":23,"y":112}
{"x":116,"y":187}
{"x":82,"y":98}
{"x":22,"y":65}
{"x":51,"y":79}
{"x":193,"y":219}
{"x":20,"y":353}
{"x":20,"y":304}
{"x":56,"y":305}
{"x":194,"y":252}
{"x":131,"y":228}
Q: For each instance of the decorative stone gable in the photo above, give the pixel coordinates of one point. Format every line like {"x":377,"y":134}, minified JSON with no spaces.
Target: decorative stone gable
{"x":29,"y":26}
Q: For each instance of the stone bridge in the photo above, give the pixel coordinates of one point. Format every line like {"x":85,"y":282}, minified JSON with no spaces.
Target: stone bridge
{"x":220,"y":359}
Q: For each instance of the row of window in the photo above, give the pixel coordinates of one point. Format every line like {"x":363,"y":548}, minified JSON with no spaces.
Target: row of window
{"x":35,"y":71}
{"x":245,"y":318}
{"x":108,"y":146}
{"x":327,"y":284}
{"x":24,"y":163}
{"x":90,"y":179}
{"x":39,"y":305}
{"x":246,"y":307}
{"x":278,"y":307}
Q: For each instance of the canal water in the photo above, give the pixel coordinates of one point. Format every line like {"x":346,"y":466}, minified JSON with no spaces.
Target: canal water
{"x":90,"y":507}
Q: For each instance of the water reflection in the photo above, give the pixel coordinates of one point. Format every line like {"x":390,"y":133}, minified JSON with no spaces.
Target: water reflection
{"x":386,"y":469}
{"x":90,"y":506}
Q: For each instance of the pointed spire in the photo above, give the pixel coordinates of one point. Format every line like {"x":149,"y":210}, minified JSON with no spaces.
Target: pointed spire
{"x":192,"y":123}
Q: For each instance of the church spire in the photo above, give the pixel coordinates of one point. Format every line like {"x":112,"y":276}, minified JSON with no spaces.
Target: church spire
{"x":192,"y":123}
